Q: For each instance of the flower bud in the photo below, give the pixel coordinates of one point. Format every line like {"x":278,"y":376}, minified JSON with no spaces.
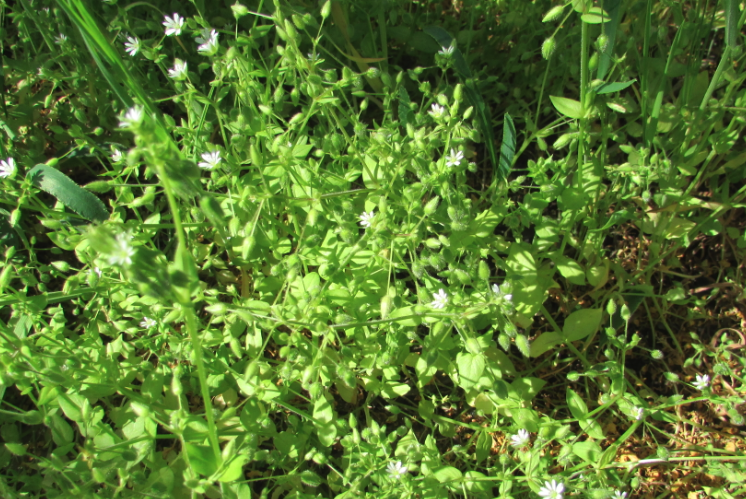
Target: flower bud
{"x":548,"y":47}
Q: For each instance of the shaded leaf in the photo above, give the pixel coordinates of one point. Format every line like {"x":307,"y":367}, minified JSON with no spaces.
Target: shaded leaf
{"x":68,"y":192}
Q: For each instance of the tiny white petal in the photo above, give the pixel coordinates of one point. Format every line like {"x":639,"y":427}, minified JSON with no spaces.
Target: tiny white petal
{"x":703,"y":381}
{"x":396,"y":470}
{"x":520,"y":439}
{"x":179,"y":71}
{"x":148,"y":323}
{"x":436,"y":111}
{"x":619,"y":495}
{"x":366,"y":219}
{"x":131,"y":118}
{"x":210,"y":160}
{"x":454,"y":158}
{"x":440,"y":299}
{"x":122,"y":251}
{"x":7,"y":167}
{"x":552,"y":490}
{"x":132,"y":46}
{"x":173,"y":25}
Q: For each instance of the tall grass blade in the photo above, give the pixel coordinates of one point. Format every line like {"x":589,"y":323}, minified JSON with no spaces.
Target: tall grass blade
{"x":507,"y":149}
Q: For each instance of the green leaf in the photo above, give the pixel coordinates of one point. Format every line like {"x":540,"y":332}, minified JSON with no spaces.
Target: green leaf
{"x":578,"y":409}
{"x":522,"y":343}
{"x":595,"y":15}
{"x":544,"y":343}
{"x":16,"y":449}
{"x":322,"y":410}
{"x":588,"y":451}
{"x":526,"y":418}
{"x":527,"y":388}
{"x":201,"y":458}
{"x":567,"y":107}
{"x":507,"y":149}
{"x":732,"y":15}
{"x":447,"y":474}
{"x":470,"y":368}
{"x":310,"y":478}
{"x":484,"y":445}
{"x":582,"y":323}
{"x":570,"y":269}
{"x":617,"y":86}
{"x":68,"y":192}
{"x":405,"y":113}
{"x":234,"y":469}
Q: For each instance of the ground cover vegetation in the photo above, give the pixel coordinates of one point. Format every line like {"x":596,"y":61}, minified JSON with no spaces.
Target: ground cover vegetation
{"x":480,"y":248}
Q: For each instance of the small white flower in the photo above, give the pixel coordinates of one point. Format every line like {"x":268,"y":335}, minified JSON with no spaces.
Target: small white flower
{"x":552,"y":490}
{"x":7,"y":167}
{"x":132,"y":46}
{"x":131,"y":118}
{"x":436,"y":111}
{"x":396,"y":470}
{"x":440,"y":299}
{"x":210,"y":160}
{"x":366,"y":219}
{"x":122,"y":251}
{"x":59,"y":40}
{"x":496,"y":289}
{"x":116,"y":155}
{"x":619,"y":495}
{"x":703,"y":381}
{"x":148,"y":323}
{"x":97,"y":271}
{"x":179,"y":71}
{"x":447,"y":51}
{"x":638,"y":413}
{"x":454,"y":159}
{"x":173,"y":25}
{"x":520,"y":439}
{"x":208,"y":42}
{"x":314,"y":58}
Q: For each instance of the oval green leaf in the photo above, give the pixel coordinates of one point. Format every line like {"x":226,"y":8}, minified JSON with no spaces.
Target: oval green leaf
{"x":68,"y":192}
{"x":567,"y":107}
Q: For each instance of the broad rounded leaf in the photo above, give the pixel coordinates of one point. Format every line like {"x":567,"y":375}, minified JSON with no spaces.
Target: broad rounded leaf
{"x":582,"y":323}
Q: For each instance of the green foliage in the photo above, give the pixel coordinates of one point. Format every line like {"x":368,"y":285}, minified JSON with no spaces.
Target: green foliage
{"x":319,"y":276}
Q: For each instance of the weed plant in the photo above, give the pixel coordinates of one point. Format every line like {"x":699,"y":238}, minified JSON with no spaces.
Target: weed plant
{"x":490,"y":248}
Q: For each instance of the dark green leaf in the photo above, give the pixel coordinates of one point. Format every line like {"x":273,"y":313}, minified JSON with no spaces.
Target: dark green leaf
{"x":68,"y":192}
{"x":507,"y":149}
{"x":615,"y":86}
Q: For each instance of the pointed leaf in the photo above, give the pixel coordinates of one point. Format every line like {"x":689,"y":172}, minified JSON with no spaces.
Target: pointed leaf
{"x":568,"y":107}
{"x":507,"y":149}
{"x":68,"y":192}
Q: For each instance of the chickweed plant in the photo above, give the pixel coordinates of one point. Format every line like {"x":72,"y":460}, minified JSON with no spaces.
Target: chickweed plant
{"x":417,"y":249}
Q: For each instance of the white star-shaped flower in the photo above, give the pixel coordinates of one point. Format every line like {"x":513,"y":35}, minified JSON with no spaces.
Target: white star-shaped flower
{"x":208,"y":42}
{"x":173,"y":25}
{"x":116,"y":155}
{"x":366,"y":219}
{"x":638,"y":413}
{"x":179,"y":71}
{"x":7,"y":167}
{"x":447,"y":51}
{"x":210,"y":160}
{"x":496,"y":289}
{"x":454,"y":158}
{"x":131,"y":118}
{"x":619,"y":495}
{"x":520,"y":439}
{"x":97,"y":271}
{"x":59,"y":40}
{"x":552,"y":490}
{"x":396,"y":470}
{"x":703,"y":381}
{"x":436,"y":111}
{"x":122,"y":251}
{"x":440,"y":299}
{"x":148,"y":323}
{"x":132,"y":46}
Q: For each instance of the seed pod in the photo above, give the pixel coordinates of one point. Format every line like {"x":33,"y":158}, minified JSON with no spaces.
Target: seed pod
{"x":548,"y":47}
